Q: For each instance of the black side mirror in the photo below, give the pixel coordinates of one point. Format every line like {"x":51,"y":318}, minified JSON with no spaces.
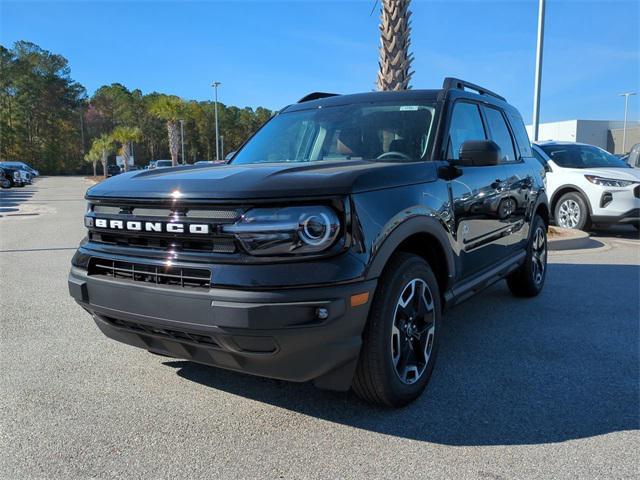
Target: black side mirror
{"x":479,"y":153}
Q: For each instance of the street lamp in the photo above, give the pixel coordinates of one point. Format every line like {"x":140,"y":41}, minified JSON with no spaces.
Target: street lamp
{"x":538,"y":75}
{"x":215,"y":86}
{"x":182,"y":139}
{"x":624,"y":128}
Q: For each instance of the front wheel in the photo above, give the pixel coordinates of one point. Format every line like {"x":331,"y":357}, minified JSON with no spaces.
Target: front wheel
{"x":529,"y":279}
{"x":572,"y":212}
{"x":401,"y":336}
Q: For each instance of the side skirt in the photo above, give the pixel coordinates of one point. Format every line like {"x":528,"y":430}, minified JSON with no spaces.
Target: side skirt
{"x":469,"y":287}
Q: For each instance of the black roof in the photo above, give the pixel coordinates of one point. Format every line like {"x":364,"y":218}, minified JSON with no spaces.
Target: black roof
{"x":453,"y":86}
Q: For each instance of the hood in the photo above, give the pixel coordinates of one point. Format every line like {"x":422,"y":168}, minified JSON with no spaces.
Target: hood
{"x":266,"y":180}
{"x":631,"y":174}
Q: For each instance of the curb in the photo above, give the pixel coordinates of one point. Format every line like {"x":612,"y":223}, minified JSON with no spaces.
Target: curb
{"x":577,"y":240}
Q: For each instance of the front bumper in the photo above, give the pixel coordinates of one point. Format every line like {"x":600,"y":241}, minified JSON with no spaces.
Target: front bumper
{"x":630,"y":217}
{"x":276,"y":333}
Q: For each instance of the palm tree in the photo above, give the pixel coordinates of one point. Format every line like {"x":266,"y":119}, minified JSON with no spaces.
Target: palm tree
{"x":126,"y":136}
{"x":395,"y":59}
{"x":171,"y":109}
{"x":103,"y":146}
{"x":92,"y":156}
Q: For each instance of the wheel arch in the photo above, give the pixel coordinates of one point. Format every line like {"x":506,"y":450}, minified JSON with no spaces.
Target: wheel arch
{"x":423,"y":236}
{"x":564,"y":189}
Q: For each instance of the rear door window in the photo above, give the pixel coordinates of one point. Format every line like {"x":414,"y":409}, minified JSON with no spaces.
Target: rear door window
{"x":500,"y":134}
{"x":520,"y":132}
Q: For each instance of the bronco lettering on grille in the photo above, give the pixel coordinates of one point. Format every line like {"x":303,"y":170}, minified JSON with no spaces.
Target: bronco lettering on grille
{"x":137,"y":226}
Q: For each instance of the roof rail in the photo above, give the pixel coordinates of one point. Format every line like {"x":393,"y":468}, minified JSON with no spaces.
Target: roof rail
{"x":455,"y":83}
{"x":316,"y":96}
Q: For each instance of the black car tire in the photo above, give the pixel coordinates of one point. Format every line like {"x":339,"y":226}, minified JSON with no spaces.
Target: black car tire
{"x":584,"y":221}
{"x":376,"y":379}
{"x":529,"y":279}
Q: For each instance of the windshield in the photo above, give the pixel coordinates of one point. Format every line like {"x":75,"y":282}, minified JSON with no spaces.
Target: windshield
{"x":386,"y":132}
{"x":582,"y":156}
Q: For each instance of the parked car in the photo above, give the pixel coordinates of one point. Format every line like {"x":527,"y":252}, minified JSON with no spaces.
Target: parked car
{"x":163,"y":164}
{"x":586,"y":185}
{"x":327,"y":249}
{"x":113,"y":169}
{"x":210,"y":162}
{"x":6,"y":178}
{"x":23,"y":166}
{"x":633,"y":157}
{"x":16,"y":176}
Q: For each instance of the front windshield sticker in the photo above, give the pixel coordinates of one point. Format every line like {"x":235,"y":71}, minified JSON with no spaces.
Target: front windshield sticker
{"x":409,"y":108}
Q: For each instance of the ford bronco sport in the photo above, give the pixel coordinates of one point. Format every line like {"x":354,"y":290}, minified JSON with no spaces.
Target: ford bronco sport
{"x":327,"y":249}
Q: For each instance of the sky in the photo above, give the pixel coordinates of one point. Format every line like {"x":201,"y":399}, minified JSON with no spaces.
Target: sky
{"x":269,"y":53}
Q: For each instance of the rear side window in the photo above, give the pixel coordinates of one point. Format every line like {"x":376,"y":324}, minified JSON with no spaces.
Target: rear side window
{"x":466,"y":124}
{"x":522,"y":139}
{"x":500,"y":134}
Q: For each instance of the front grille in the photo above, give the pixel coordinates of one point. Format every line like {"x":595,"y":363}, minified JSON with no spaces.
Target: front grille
{"x":213,"y":244}
{"x":163,"y":332}
{"x":159,"y":275}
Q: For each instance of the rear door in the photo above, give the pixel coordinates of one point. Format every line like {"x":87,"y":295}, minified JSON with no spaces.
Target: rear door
{"x":517,"y":191}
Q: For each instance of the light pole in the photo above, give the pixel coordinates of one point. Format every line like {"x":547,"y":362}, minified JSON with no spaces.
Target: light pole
{"x":624,"y":128}
{"x":538,"y":77}
{"x":182,"y":139}
{"x":215,"y":86}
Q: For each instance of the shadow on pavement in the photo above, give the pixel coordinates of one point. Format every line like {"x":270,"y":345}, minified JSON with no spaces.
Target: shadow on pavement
{"x":616,"y":231}
{"x":11,"y":199}
{"x":510,"y":371}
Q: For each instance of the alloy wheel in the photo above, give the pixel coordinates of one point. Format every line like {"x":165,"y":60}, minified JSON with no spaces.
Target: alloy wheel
{"x":539,"y":255}
{"x":569,"y":214}
{"x":413,"y":331}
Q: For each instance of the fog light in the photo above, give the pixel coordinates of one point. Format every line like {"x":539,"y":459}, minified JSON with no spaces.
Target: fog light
{"x":322,"y":313}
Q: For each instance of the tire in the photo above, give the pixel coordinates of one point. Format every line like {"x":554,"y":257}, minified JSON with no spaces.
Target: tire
{"x":529,"y":279}
{"x":380,"y":377}
{"x":572,"y":211}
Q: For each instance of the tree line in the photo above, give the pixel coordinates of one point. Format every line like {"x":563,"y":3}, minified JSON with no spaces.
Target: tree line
{"x":48,"y":120}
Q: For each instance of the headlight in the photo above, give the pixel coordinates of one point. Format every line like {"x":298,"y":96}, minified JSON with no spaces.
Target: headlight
{"x":609,"y":182}
{"x":286,"y":230}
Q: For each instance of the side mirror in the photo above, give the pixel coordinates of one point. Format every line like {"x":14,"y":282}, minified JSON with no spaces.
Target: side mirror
{"x":479,"y":153}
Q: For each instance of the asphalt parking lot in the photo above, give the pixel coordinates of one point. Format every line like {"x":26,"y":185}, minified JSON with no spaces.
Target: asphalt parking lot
{"x":541,"y":388}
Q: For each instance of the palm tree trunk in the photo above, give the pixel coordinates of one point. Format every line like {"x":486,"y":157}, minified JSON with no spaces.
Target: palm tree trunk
{"x":104,"y":163}
{"x":125,"y":155}
{"x":95,"y":164}
{"x":395,"y":59}
{"x":174,"y":140}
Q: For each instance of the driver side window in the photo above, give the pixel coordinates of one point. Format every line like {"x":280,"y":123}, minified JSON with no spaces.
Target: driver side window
{"x":466,"y":124}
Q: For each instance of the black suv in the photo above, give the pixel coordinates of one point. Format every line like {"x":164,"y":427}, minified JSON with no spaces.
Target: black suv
{"x":330,"y":244}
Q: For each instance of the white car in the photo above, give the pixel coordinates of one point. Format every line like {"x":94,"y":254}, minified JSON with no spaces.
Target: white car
{"x":586,"y":185}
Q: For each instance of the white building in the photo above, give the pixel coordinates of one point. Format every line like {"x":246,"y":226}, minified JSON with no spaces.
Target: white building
{"x":593,"y":132}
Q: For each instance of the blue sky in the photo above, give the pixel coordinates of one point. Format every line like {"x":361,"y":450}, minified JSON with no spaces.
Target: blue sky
{"x":271,"y":53}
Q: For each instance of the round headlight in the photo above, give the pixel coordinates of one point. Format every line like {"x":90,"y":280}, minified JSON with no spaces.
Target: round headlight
{"x":316,"y":229}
